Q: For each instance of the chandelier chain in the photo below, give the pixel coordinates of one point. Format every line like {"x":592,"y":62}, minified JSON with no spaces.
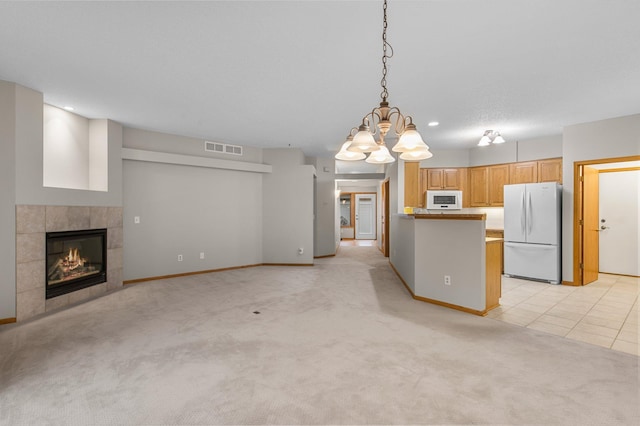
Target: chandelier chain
{"x":380,"y":121}
{"x":385,"y":94}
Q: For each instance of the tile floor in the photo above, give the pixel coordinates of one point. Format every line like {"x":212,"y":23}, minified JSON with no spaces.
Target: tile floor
{"x":603,"y":313}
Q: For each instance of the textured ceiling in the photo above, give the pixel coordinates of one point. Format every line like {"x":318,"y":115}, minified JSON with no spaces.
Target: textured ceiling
{"x":302,"y":73}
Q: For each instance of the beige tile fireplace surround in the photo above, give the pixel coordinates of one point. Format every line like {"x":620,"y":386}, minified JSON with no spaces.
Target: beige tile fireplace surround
{"x":32,"y":224}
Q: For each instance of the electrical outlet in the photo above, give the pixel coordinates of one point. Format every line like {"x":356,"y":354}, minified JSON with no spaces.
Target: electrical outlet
{"x":300,"y":250}
{"x":136,"y":219}
{"x":179,"y":258}
{"x":447,"y":280}
{"x":201,"y":255}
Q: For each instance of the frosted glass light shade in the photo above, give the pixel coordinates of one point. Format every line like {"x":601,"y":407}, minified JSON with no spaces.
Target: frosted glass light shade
{"x":484,"y":141}
{"x":363,"y":141}
{"x":381,"y":156}
{"x":499,"y":139}
{"x":416,"y":154}
{"x":409,"y":140}
{"x":346,"y":155}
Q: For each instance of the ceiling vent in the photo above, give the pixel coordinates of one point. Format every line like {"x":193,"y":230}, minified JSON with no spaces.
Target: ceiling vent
{"x":222,"y":148}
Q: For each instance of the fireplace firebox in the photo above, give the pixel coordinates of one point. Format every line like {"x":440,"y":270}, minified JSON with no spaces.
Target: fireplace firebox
{"x":75,"y":260}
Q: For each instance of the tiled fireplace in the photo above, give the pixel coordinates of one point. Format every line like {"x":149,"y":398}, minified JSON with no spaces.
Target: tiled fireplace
{"x":33,"y":223}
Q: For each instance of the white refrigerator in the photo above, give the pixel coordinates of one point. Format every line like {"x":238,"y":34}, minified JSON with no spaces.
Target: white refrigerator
{"x":532,"y":231}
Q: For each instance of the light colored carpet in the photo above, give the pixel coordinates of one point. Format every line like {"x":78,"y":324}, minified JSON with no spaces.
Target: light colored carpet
{"x":338,"y":343}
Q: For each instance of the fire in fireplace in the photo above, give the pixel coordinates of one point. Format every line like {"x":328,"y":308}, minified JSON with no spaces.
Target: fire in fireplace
{"x":75,"y":260}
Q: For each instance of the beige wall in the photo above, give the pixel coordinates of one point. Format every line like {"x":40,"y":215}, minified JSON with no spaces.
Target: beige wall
{"x":7,"y":201}
{"x":615,"y":137}
{"x":509,"y":152}
{"x":287,"y":208}
{"x":29,"y":160}
{"x":66,"y":149}
{"x":325,"y":242}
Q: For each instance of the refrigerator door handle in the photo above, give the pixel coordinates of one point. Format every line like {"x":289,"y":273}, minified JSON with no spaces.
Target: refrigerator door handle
{"x":530,"y":215}
{"x":522,"y":210}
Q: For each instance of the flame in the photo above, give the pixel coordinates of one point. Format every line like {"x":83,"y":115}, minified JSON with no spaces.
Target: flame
{"x":73,"y":260}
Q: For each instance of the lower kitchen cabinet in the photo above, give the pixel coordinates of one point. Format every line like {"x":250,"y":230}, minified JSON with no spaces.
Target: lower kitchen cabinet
{"x":493,"y":280}
{"x":498,"y":233}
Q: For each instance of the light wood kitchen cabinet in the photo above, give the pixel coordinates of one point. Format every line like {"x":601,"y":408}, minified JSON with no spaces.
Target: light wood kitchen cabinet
{"x":550,"y":170}
{"x":422,"y":189}
{"x":493,"y":279}
{"x":411,"y":184}
{"x":498,"y":233}
{"x":442,"y":179}
{"x":525,"y":172}
{"x":498,"y":178}
{"x":434,"y":179}
{"x":451,"y":179}
{"x":536,"y":171}
{"x":479,"y":186}
{"x":486,"y":185}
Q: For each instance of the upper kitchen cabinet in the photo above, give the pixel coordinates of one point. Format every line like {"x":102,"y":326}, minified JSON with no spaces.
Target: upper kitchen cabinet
{"x":412,"y":185}
{"x":422,"y":188}
{"x":536,"y":171}
{"x":441,"y":179}
{"x":550,"y":170}
{"x":486,"y":185}
{"x":479,"y":186}
{"x":525,"y":172}
{"x":498,"y":178}
{"x":445,"y":179}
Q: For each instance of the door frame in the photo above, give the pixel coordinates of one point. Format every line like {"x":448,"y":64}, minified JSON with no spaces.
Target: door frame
{"x":578,"y":212}
{"x":384,"y":228}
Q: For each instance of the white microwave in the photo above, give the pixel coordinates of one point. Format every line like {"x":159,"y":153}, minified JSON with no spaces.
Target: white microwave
{"x":444,"y":200}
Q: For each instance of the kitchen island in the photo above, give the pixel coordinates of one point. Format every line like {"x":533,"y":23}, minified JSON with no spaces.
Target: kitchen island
{"x":446,"y":259}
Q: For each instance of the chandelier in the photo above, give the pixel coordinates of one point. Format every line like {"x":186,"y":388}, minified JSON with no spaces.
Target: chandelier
{"x":382,"y":119}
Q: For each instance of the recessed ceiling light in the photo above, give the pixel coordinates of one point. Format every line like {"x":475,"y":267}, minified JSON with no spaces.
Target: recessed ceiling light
{"x":69,"y":108}
{"x":433,"y":124}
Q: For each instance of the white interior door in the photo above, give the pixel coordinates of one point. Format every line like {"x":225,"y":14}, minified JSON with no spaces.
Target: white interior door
{"x":365,"y":216}
{"x":619,"y":222}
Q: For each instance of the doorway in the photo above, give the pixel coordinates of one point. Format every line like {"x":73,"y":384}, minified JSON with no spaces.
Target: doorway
{"x":587,"y":227}
{"x":365,"y":216}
